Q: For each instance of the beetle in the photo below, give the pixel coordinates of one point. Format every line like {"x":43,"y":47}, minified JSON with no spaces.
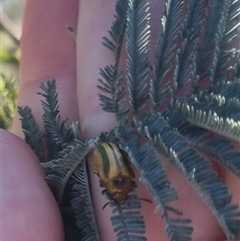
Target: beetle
{"x":113,"y":171}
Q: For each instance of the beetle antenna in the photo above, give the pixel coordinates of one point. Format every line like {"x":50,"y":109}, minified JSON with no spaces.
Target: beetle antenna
{"x":105,"y":205}
{"x":141,"y":199}
{"x":144,"y":199}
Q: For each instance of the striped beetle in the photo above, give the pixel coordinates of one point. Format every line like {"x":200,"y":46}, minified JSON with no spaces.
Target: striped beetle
{"x":114,"y":173}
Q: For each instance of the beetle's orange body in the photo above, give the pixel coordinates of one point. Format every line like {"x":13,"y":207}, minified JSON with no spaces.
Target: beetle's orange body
{"x":114,"y":174}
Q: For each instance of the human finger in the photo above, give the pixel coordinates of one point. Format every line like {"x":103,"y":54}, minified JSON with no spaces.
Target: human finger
{"x":47,"y":52}
{"x":28,"y":208}
{"x":92,"y":27}
{"x":94,"y":21}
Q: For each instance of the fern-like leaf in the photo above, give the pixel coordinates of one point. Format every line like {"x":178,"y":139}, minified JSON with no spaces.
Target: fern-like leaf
{"x":56,"y":132}
{"x":214,"y":35}
{"x":127,"y":220}
{"x":190,"y":37}
{"x":63,"y":168}
{"x":227,"y":53}
{"x":111,"y":74}
{"x":223,"y":151}
{"x":209,"y":119}
{"x":232,"y":22}
{"x":219,"y":149}
{"x":82,"y":205}
{"x":33,"y":136}
{"x":154,"y":176}
{"x":166,"y":50}
{"x":137,"y":48}
{"x":196,"y":169}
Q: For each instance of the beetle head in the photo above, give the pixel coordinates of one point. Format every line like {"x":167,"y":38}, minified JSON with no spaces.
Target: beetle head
{"x":119,"y":187}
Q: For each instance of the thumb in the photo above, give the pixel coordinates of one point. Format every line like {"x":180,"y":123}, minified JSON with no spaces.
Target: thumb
{"x":29,"y":211}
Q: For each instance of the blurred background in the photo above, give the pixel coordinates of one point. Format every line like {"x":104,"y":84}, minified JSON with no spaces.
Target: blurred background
{"x":11,"y":13}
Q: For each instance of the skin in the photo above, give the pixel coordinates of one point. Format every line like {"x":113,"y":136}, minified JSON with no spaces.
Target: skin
{"x":48,"y":52}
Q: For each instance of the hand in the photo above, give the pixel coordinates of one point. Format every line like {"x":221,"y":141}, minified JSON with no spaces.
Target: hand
{"x":29,"y":210}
